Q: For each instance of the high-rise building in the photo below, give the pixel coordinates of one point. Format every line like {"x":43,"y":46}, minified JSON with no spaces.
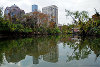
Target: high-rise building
{"x":52,"y":12}
{"x":14,"y":11}
{"x":34,"y":8}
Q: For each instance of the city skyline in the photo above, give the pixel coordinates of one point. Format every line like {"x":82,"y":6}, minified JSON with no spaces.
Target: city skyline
{"x":50,"y":11}
{"x":62,"y":5}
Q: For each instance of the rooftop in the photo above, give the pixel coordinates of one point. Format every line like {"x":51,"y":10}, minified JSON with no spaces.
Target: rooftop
{"x":14,"y":6}
{"x":51,"y":6}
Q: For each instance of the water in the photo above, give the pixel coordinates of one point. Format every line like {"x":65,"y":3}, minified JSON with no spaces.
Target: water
{"x":50,"y":51}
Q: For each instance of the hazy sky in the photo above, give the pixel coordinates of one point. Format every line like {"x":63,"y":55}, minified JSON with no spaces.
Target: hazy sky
{"x":87,"y":5}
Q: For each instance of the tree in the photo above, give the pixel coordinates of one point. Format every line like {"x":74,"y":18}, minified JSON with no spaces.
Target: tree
{"x":79,"y":18}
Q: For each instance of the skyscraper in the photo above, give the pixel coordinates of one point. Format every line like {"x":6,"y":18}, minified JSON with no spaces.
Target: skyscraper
{"x":34,"y":8}
{"x":52,"y":11}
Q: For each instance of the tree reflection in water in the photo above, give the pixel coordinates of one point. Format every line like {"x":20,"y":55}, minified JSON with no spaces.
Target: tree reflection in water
{"x":46,"y":48}
{"x":16,"y":50}
{"x":83,"y":47}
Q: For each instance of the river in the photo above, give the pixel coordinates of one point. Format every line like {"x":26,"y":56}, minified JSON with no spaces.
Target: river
{"x":50,"y":51}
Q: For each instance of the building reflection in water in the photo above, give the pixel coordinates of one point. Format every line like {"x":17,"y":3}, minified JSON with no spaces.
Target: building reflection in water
{"x":35,"y":60}
{"x":52,"y":55}
{"x":46,"y":49}
{"x":49,"y":54}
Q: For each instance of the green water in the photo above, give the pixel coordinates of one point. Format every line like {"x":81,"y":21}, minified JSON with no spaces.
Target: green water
{"x":50,"y":51}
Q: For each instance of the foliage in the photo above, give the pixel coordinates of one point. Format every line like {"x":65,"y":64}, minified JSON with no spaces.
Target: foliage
{"x":67,"y":29}
{"x":78,"y":16}
{"x":87,"y":26}
{"x":27,"y":46}
{"x":34,"y":22}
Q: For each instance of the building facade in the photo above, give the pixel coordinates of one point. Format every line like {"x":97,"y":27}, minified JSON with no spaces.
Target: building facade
{"x":14,"y":11}
{"x":34,"y":8}
{"x":52,"y":12}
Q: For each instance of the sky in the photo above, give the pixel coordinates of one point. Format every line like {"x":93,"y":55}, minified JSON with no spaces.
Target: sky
{"x":72,"y":5}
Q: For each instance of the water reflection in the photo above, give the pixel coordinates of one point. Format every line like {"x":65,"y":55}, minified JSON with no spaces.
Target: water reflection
{"x":48,"y":49}
{"x":84,"y":47}
{"x":16,"y":50}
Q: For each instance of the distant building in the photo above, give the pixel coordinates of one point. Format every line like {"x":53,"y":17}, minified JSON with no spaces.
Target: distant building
{"x":75,"y":30}
{"x":60,"y":26}
{"x":14,"y":11}
{"x":52,"y":11}
{"x":96,"y":17}
{"x":34,"y":8}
